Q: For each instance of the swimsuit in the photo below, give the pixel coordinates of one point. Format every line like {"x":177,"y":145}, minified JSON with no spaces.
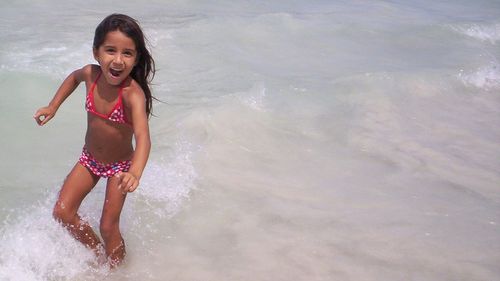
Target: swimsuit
{"x":117,"y":115}
{"x":102,"y":170}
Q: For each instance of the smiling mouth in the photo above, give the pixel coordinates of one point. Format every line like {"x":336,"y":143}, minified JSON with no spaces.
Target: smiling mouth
{"x":115,"y":73}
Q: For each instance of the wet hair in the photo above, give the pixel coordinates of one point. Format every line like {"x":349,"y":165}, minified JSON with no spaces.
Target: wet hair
{"x":144,"y":70}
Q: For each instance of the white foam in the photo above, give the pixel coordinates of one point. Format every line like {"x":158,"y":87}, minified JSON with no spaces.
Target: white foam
{"x":255,"y":97}
{"x":57,"y":61}
{"x":34,"y":247}
{"x":487,"y":78}
{"x":483,"y":32}
{"x":167,"y":183}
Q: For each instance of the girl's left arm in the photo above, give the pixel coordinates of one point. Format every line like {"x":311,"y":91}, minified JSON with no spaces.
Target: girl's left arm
{"x":130,"y":180}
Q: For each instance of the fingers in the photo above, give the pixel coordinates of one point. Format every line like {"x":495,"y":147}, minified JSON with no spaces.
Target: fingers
{"x":42,"y":116}
{"x":46,"y":119}
{"x":38,"y":117}
{"x":133,"y":187}
{"x":42,"y":119}
{"x":127,"y":182}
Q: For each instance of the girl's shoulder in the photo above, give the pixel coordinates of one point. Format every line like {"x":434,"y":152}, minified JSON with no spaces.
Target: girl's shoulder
{"x":132,"y":92}
{"x":132,"y":88}
{"x":88,"y":73}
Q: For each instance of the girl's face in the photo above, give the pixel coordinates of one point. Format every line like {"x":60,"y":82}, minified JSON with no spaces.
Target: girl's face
{"x":117,"y":56}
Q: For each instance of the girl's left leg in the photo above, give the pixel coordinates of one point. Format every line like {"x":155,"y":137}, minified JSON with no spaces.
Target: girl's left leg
{"x":110,"y":222}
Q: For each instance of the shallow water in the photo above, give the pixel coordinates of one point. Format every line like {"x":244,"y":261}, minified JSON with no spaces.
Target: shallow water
{"x":306,"y":140}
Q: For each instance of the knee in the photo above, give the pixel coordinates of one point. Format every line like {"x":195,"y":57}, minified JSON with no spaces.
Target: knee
{"x":109,"y":230}
{"x":62,"y":214}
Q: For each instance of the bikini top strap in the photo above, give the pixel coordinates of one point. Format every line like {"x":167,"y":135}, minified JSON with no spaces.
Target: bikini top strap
{"x":91,"y":92}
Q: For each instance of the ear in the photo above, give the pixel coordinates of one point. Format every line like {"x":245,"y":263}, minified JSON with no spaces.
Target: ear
{"x":96,"y":54}
{"x":136,"y":60}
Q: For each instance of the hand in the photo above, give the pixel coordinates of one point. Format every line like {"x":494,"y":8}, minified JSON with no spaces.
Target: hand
{"x":44,"y":114}
{"x":127,"y":182}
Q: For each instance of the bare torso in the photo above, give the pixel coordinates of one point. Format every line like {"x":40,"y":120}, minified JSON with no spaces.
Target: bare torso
{"x":108,"y":141}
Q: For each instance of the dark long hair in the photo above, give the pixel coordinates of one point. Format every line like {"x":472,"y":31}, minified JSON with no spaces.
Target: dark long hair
{"x":144,"y":70}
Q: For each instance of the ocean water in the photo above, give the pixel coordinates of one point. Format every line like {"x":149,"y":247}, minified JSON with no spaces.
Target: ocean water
{"x":296,"y":140}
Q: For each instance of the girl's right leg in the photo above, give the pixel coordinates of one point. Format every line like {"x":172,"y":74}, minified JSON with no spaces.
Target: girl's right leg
{"x":77,"y":185}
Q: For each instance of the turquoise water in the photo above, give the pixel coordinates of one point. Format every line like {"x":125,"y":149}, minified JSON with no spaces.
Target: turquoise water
{"x":298,"y":140}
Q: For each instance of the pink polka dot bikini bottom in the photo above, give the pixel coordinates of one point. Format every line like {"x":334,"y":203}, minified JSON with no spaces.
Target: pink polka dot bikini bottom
{"x":102,"y":170}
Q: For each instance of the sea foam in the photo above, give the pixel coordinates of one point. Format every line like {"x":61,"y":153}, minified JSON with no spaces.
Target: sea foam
{"x":484,"y":32}
{"x":487,"y":78}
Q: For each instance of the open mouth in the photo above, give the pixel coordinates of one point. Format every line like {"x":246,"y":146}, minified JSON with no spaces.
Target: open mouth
{"x":115,"y":73}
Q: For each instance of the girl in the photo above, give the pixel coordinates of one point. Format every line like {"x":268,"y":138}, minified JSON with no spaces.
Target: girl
{"x":119,"y":104}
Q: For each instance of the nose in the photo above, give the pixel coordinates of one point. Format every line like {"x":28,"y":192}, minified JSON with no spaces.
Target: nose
{"x":118,"y":60}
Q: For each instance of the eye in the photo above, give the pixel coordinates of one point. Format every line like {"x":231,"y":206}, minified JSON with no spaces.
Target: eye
{"x":109,"y":49}
{"x":128,"y":53}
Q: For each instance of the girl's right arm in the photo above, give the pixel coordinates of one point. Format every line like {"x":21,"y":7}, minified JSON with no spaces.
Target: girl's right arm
{"x":44,"y":114}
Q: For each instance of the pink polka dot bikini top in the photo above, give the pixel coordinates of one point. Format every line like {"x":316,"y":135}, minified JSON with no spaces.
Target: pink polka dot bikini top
{"x":117,"y":114}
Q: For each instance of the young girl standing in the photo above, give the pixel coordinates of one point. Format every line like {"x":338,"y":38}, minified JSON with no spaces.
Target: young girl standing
{"x":118,"y":105}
